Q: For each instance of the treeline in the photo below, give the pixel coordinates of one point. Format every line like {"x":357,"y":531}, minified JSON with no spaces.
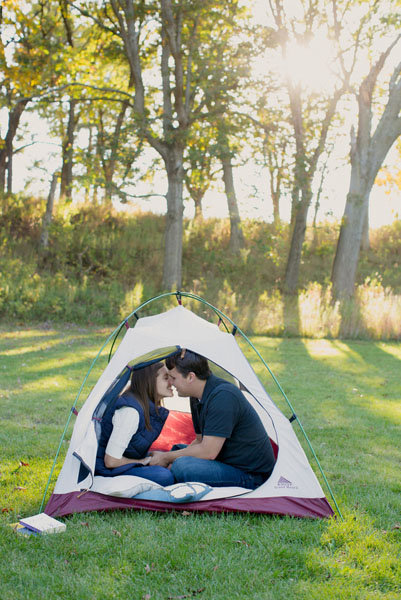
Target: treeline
{"x":129,"y":89}
{"x":100,"y":265}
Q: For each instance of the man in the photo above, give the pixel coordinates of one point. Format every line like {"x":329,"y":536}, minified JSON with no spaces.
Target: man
{"x":231,"y":447}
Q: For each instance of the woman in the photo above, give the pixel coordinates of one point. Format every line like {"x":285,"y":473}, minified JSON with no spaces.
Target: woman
{"x":131,"y":425}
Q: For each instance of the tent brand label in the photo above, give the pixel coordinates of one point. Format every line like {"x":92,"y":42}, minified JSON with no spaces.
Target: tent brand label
{"x":284,"y":483}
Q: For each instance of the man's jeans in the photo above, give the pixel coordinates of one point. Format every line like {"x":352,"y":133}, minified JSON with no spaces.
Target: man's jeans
{"x":212,"y":472}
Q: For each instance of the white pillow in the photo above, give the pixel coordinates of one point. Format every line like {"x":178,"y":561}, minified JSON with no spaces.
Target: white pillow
{"x":124,"y":486}
{"x":178,"y":492}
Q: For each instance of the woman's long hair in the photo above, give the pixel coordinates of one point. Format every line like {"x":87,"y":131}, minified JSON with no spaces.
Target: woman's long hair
{"x":143,"y":386}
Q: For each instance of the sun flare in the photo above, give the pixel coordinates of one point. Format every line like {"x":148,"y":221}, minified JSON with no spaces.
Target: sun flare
{"x":310,"y":65}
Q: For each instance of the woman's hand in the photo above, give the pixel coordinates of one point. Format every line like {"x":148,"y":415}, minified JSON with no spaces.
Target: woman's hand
{"x":160,"y":459}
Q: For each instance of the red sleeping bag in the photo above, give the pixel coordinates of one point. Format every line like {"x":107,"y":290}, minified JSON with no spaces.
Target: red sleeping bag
{"x":178,"y":429}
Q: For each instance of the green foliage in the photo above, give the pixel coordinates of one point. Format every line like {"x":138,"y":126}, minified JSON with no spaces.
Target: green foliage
{"x":100,"y":265}
{"x":20,"y":219}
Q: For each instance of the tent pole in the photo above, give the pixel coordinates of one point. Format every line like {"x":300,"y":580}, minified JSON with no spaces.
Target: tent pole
{"x":114,"y":333}
{"x":296,"y":419}
{"x":72,"y":412}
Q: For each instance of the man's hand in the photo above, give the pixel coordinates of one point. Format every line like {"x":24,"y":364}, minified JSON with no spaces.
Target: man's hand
{"x":160,"y":459}
{"x":208,"y":448}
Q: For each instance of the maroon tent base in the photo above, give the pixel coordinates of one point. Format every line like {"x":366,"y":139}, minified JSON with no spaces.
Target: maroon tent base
{"x":60,"y":505}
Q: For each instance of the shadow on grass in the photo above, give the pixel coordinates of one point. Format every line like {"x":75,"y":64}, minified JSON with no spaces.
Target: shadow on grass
{"x":339,"y":418}
{"x":373,"y":354}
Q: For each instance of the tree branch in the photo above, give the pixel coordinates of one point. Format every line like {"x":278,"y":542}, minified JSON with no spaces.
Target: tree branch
{"x":366,"y":91}
{"x":82,"y":85}
{"x":173,"y":30}
{"x":90,"y":15}
{"x":66,"y":20}
{"x":189,"y":68}
{"x":165,"y":72}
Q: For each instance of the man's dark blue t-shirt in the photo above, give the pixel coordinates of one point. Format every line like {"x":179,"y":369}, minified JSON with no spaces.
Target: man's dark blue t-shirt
{"x":223,"y":411}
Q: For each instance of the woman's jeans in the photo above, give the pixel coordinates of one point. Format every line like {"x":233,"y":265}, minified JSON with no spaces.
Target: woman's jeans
{"x":157,"y":474}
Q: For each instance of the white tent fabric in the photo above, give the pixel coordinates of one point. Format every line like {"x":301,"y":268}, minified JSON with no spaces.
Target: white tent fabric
{"x":292,"y":476}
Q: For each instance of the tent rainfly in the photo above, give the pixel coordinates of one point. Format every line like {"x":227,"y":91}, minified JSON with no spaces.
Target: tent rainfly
{"x":292,"y":488}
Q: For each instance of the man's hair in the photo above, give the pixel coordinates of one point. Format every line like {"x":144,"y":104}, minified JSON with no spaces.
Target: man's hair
{"x":186,"y":361}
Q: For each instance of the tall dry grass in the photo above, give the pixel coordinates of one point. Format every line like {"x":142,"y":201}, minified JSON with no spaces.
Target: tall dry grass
{"x":374,"y":313}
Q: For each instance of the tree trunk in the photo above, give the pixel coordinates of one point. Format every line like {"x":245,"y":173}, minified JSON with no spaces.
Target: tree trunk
{"x":10,"y":172}
{"x":197,"y":198}
{"x":197,"y":186}
{"x":367,"y":155}
{"x":48,"y":216}
{"x":365,"y":242}
{"x":6,"y":149}
{"x":275,"y":181}
{"x":89,"y":165}
{"x":236,"y":235}
{"x":276,"y":209}
{"x":348,"y":246}
{"x":109,"y":166}
{"x":295,"y":202}
{"x":68,"y":152}
{"x":297,"y":240}
{"x":174,"y":222}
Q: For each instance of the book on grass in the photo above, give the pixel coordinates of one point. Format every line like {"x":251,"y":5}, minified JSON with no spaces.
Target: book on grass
{"x":21,"y":530}
{"x":42,"y":523}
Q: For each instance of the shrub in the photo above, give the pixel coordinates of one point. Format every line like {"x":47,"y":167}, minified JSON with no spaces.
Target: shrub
{"x":100,"y":264}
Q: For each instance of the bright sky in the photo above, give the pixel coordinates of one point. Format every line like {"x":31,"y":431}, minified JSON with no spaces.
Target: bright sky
{"x":308,"y":65}
{"x":251,"y":187}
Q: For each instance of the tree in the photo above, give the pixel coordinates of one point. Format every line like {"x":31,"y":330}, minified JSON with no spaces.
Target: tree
{"x":6,"y":148}
{"x":368,"y":151}
{"x":67,"y":146}
{"x":224,"y":93}
{"x":199,"y":165}
{"x":205,"y":151}
{"x":164,"y":44}
{"x":48,"y":216}
{"x":31,"y":53}
{"x":311,"y":112}
{"x":226,"y":155}
{"x":274,"y":147}
{"x":278,"y":175}
{"x":13,"y":84}
{"x":108,"y":146}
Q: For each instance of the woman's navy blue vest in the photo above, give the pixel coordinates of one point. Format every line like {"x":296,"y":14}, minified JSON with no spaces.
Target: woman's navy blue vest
{"x":143,"y":438}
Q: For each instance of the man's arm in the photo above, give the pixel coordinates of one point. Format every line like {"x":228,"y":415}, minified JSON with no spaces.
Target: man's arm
{"x":208,"y":448}
{"x":197,"y":440}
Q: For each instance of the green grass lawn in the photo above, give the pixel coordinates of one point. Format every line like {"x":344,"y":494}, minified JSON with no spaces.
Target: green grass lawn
{"x":348,"y":398}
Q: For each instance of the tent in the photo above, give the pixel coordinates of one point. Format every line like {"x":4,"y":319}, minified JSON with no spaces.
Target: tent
{"x":292,"y":489}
